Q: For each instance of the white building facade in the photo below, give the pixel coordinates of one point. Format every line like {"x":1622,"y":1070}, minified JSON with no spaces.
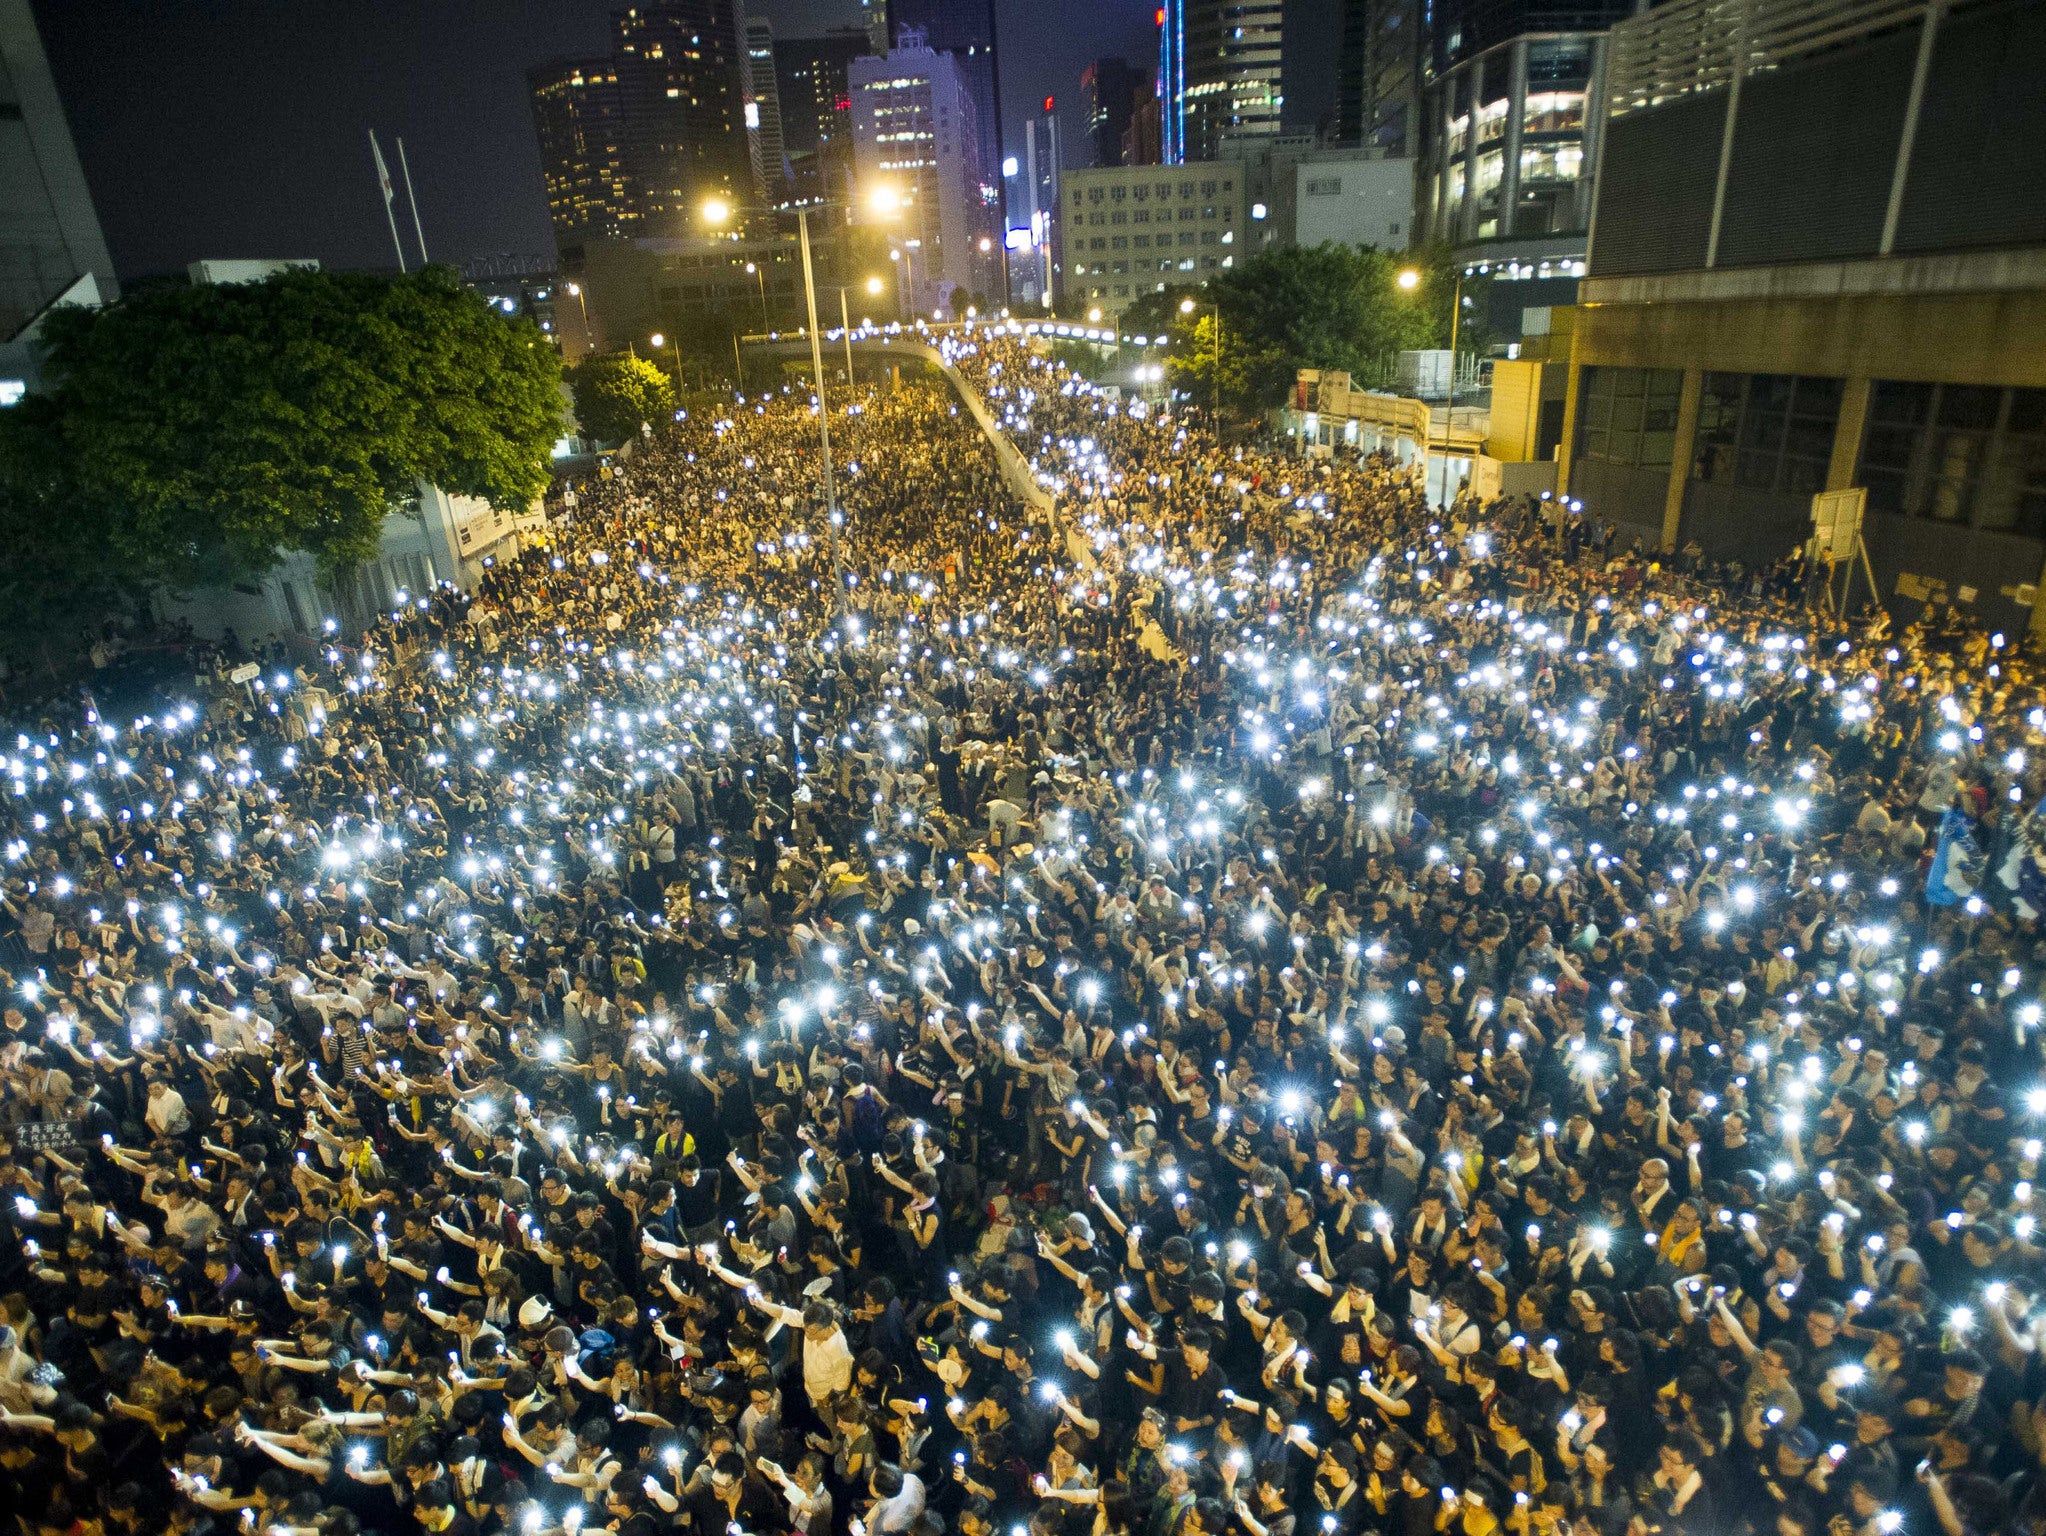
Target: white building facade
{"x":914,"y":135}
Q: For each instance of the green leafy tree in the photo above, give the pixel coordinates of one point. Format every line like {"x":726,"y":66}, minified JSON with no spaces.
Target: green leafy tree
{"x":1196,"y":368}
{"x":614,"y":394}
{"x":1325,"y":306}
{"x":206,"y":430}
{"x":62,"y":571}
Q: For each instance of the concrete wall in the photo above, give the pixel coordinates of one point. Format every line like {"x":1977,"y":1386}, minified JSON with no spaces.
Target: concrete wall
{"x":1616,"y":493}
{"x":1953,"y":338}
{"x":1373,"y":206}
{"x":1991,"y":563}
{"x":1855,"y":322}
{"x":1731,"y":521}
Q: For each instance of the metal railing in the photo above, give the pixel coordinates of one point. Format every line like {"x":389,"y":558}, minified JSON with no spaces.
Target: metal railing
{"x":1691,"y":47}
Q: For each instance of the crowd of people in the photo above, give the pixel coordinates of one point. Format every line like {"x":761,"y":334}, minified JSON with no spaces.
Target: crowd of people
{"x":1195,"y":996}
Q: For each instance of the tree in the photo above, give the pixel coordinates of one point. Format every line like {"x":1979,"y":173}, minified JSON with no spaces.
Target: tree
{"x":203,"y":431}
{"x":615,"y":394}
{"x":1325,"y":306}
{"x":61,"y":571}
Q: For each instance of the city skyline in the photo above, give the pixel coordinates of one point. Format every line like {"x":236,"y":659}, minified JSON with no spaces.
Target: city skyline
{"x":278,"y":164}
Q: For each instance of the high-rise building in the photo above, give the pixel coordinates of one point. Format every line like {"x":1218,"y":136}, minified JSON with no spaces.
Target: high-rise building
{"x":1507,"y":152}
{"x":763,"y":110}
{"x":51,"y":247}
{"x":965,"y":28}
{"x":1219,"y":73}
{"x":1141,"y":143}
{"x":682,"y":72}
{"x":874,"y":22}
{"x":1036,"y":267}
{"x":1381,"y":68}
{"x":579,"y":116}
{"x":914,"y":131}
{"x":1109,"y":89}
{"x":1814,"y":267}
{"x":816,"y":110}
{"x":1170,"y":86}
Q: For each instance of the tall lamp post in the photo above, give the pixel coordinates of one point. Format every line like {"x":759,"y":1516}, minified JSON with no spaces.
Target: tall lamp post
{"x":1409,"y":280}
{"x":1187,"y":307}
{"x":584,"y":305}
{"x":716,"y":212}
{"x":657,"y":340}
{"x":845,"y":330}
{"x":754,"y":269}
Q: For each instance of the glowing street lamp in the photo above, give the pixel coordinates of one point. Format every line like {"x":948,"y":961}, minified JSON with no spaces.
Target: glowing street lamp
{"x":755,"y":270}
{"x":658,"y":341}
{"x":583,"y":304}
{"x":1186,"y":307}
{"x":1409,"y":280}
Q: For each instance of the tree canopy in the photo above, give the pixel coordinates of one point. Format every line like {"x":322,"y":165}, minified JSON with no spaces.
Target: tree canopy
{"x":199,"y":432}
{"x":1323,"y":306}
{"x":614,"y":394}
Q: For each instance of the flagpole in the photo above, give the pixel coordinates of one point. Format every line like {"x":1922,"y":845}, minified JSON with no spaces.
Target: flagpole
{"x":405,"y":170}
{"x":384,"y":184}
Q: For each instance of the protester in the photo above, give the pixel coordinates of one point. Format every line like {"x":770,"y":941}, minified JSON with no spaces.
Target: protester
{"x":1213,"y":999}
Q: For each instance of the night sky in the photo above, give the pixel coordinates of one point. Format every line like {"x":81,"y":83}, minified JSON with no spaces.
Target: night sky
{"x":237,"y":128}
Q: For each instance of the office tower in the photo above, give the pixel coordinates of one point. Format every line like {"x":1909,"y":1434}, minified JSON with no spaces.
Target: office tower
{"x":51,"y":247}
{"x":682,"y":72}
{"x":965,"y":28}
{"x":763,"y":109}
{"x":1808,"y":273}
{"x":1109,"y":89}
{"x":1504,"y":151}
{"x":874,"y":22}
{"x":1140,"y":141}
{"x":1383,"y":63}
{"x":1035,"y":267}
{"x":913,"y":124}
{"x":816,"y":110}
{"x":1170,"y":86}
{"x":579,"y":117}
{"x":1219,"y":74}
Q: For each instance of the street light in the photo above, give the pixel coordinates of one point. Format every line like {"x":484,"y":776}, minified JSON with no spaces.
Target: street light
{"x":874,"y":285}
{"x":658,"y":341}
{"x":584,"y":306}
{"x":885,"y":200}
{"x":1186,"y":307}
{"x":1409,"y":279}
{"x":905,"y":282}
{"x":754,"y":269}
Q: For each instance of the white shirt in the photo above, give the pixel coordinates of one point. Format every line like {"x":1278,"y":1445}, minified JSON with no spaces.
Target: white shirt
{"x":827,"y":1366}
